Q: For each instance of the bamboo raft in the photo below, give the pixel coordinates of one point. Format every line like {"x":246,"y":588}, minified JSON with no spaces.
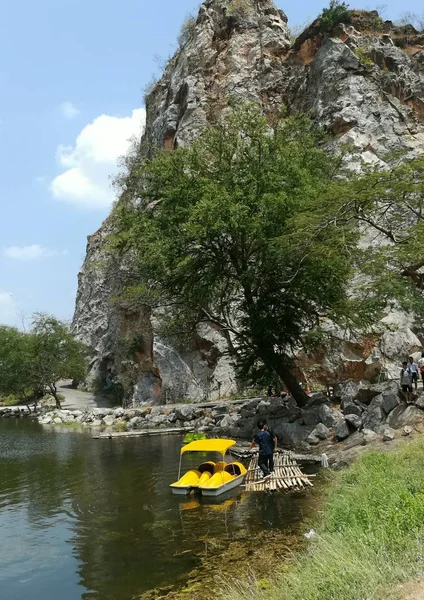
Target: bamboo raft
{"x":287,"y":475}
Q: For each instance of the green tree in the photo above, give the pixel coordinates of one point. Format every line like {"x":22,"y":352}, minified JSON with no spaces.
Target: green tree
{"x":337,"y":12}
{"x":16,"y":364}
{"x":239,"y":230}
{"x":57,"y":354}
{"x":388,"y":204}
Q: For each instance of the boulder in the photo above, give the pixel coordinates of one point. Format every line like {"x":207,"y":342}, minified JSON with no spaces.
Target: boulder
{"x":135,"y":422}
{"x":351,"y":408}
{"x":312,"y":439}
{"x":354,"y":421}
{"x":291,"y":434}
{"x":369,"y":436}
{"x":119,"y":412}
{"x":419,"y":403}
{"x":375,"y":415}
{"x":248,"y":409}
{"x":407,"y":430}
{"x":219,"y":411}
{"x":405,"y":415}
{"x":160,"y":420}
{"x":263,"y":408}
{"x":185,"y":412}
{"x":320,"y":433}
{"x":294,"y":414}
{"x":310,"y":416}
{"x":355,"y":439}
{"x":330,"y":417}
{"x":46,"y":420}
{"x":389,"y":402}
{"x":229,"y":422}
{"x":99,"y":413}
{"x":317,"y":399}
{"x":109,"y":420}
{"x":277,"y":409}
{"x":57,"y":420}
{"x":388,"y":434}
{"x":400,"y":343}
{"x":97,"y":423}
{"x":341,"y":431}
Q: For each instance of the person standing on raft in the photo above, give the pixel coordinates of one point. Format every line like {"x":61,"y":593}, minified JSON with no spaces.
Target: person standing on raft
{"x":267,"y":442}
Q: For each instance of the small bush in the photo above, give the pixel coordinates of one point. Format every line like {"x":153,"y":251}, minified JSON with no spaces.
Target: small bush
{"x":11,"y":400}
{"x":120,"y":426}
{"x":363,"y":55}
{"x":337,"y":12}
{"x":187,"y":31}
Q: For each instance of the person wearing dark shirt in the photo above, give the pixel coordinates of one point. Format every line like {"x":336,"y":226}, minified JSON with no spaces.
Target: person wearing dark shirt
{"x":267,"y":442}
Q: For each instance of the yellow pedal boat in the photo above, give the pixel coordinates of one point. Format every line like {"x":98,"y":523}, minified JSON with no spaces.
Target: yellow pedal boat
{"x":210,"y":478}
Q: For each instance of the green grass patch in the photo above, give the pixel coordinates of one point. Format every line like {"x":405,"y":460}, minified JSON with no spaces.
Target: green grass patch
{"x":369,"y":536}
{"x":11,"y":400}
{"x":120,"y":426}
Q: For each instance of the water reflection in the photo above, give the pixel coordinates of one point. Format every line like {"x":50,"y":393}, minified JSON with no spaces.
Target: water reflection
{"x":94,"y":519}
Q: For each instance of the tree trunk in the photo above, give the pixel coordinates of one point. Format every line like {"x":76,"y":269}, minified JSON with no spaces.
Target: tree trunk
{"x":292,"y":384}
{"x":280,"y":364}
{"x":53,"y":391}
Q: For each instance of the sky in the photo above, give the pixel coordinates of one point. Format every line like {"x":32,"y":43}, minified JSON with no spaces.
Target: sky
{"x":73,"y":74}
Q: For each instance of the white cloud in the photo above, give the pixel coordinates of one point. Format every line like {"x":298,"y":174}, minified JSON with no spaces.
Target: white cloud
{"x":32,"y":252}
{"x":68,"y":110}
{"x":7,"y":309}
{"x":92,"y":160}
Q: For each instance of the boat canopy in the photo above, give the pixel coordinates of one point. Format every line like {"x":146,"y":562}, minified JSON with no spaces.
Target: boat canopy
{"x":220,"y":446}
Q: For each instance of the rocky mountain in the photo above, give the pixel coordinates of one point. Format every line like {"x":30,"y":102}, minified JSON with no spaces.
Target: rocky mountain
{"x":364,"y":83}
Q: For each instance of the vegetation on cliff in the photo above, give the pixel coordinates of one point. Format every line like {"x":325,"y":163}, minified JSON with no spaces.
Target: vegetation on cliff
{"x":369,"y":538}
{"x":31,"y":363}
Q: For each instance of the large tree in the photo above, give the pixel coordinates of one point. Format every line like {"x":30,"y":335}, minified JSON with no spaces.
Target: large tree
{"x":57,"y":354}
{"x":33,"y":362}
{"x":239,"y":230}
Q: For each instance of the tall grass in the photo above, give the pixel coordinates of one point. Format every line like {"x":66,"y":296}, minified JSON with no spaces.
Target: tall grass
{"x":370,"y":535}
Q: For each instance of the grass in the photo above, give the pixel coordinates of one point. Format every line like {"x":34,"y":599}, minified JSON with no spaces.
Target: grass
{"x":370,"y":535}
{"x":120,"y":426}
{"x":10,"y":400}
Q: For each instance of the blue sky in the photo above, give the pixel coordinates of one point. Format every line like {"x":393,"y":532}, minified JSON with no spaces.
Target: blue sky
{"x":73,"y":74}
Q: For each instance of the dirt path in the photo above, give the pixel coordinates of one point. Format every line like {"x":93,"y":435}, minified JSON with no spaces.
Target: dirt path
{"x":77,"y":400}
{"x":414,"y":590}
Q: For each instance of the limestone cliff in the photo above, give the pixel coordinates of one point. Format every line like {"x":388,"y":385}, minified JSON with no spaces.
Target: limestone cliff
{"x":364,"y":83}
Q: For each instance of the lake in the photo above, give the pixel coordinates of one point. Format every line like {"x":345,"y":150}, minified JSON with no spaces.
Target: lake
{"x":95,"y":519}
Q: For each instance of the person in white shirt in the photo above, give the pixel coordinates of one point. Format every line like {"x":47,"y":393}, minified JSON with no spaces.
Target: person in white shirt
{"x":413,"y":367}
{"x":406,"y":382}
{"x":421,"y":366}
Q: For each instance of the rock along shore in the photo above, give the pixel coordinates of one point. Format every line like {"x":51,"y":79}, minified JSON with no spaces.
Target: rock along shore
{"x":360,"y":414}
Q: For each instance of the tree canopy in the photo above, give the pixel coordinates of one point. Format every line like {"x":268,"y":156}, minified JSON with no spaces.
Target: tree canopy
{"x":32,"y":363}
{"x":235,"y":230}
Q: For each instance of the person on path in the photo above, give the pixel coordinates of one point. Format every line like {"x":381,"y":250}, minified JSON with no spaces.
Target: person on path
{"x":406,"y":382}
{"x":413,"y":367}
{"x":267,"y":442}
{"x":421,"y":367}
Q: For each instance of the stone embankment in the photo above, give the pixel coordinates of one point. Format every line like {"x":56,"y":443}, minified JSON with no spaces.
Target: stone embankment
{"x":361,"y":413}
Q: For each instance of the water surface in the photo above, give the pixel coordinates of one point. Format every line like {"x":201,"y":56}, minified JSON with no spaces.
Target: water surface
{"x":95,"y":519}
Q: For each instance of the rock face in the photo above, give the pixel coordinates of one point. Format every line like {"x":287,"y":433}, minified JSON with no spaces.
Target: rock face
{"x":365,"y":88}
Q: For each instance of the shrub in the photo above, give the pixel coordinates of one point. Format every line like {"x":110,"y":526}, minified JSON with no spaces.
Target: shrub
{"x":187,"y":30}
{"x":363,"y":55}
{"x":337,"y":12}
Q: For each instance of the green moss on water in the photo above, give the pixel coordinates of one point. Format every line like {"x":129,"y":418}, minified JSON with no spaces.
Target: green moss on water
{"x":370,"y":535}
